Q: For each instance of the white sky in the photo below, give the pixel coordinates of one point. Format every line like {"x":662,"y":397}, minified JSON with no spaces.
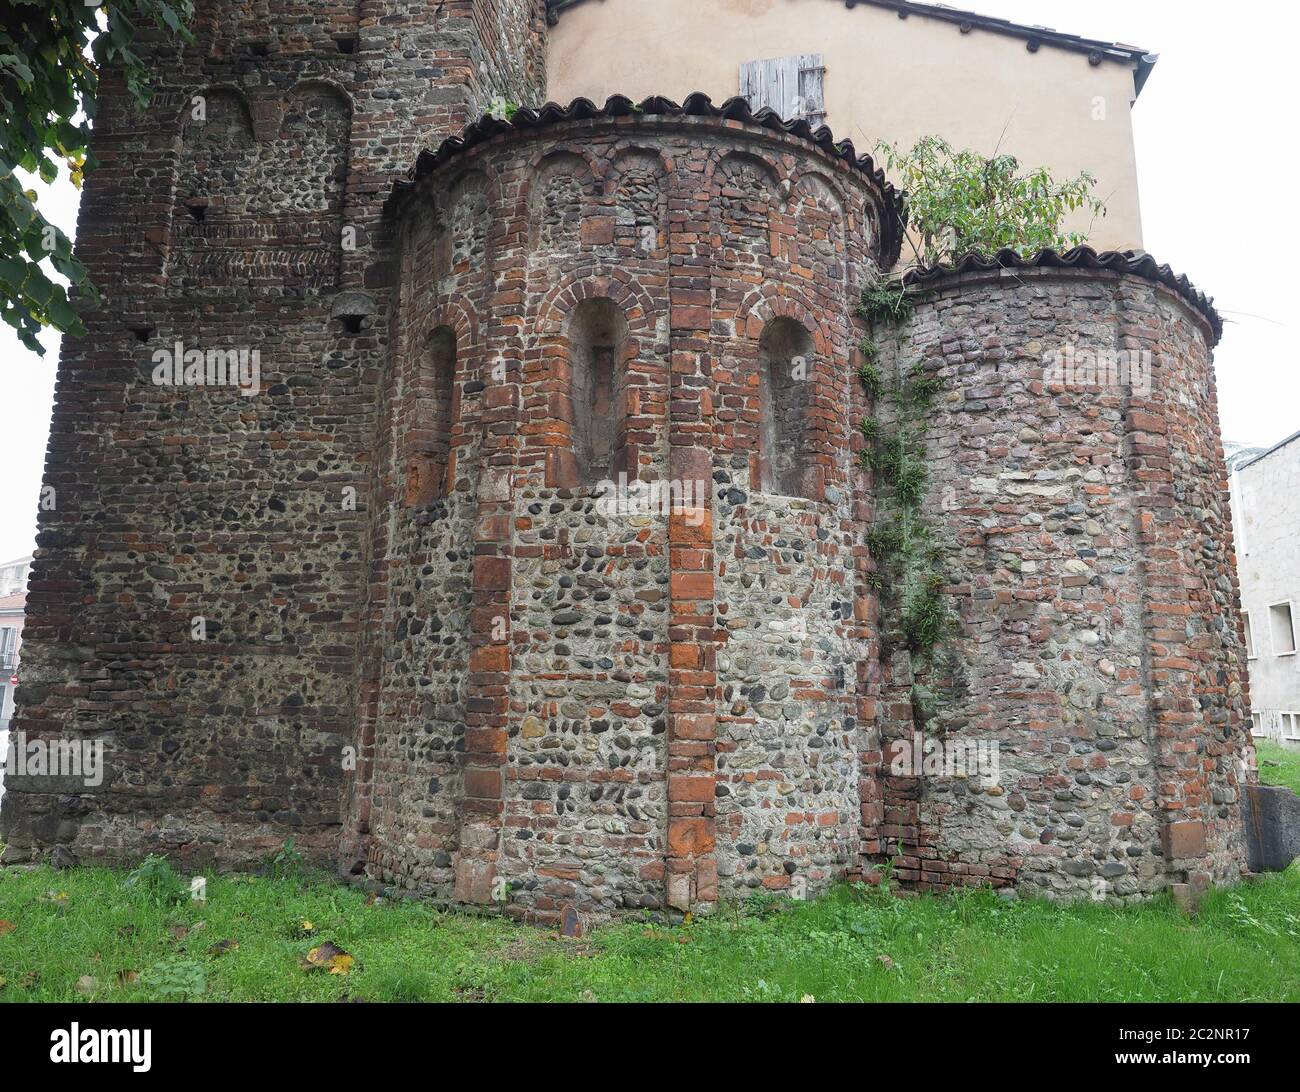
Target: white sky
{"x":1216,"y":148}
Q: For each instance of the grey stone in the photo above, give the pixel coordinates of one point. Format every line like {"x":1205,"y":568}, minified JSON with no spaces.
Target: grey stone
{"x":1270,"y":820}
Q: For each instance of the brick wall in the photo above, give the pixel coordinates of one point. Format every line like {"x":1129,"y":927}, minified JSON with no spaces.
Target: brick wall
{"x":200,"y":590}
{"x":416,"y":600}
{"x":657,"y":707}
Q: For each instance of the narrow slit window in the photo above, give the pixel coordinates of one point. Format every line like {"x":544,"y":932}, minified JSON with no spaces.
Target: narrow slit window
{"x":597,"y":333}
{"x":785,"y":363}
{"x":429,"y":468}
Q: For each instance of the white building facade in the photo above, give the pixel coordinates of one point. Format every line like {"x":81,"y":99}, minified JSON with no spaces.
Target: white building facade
{"x":13,"y":595}
{"x":1266,"y":520}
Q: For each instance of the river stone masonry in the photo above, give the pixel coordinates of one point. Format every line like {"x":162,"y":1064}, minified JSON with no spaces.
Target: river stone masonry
{"x":1087,"y":552}
{"x":656,"y":702}
{"x":535,"y":572}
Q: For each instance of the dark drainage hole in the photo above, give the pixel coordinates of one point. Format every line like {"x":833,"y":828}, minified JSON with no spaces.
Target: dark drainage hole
{"x":142,"y":333}
{"x":346,"y":45}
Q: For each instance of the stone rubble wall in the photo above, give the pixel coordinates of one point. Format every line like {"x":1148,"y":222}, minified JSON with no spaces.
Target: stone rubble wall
{"x":1083,"y":528}
{"x":381,"y":606}
{"x":673,"y":711}
{"x":253,"y":514}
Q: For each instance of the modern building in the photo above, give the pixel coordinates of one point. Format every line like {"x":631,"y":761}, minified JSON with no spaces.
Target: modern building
{"x":1266,"y":517}
{"x":13,"y":575}
{"x":13,"y":596}
{"x":11,"y":639}
{"x":878,"y":70}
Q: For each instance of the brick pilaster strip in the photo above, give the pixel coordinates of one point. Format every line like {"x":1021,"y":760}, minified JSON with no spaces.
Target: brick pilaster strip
{"x":487,"y":688}
{"x":1163,"y":536}
{"x":692,"y":664}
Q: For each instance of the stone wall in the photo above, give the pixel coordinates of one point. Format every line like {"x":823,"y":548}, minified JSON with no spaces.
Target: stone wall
{"x":1086,"y":545}
{"x":530,"y":564}
{"x":200,"y":591}
{"x":658,"y":705}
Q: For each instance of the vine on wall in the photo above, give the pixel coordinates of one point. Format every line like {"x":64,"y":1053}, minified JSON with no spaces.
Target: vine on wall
{"x":908,"y":578}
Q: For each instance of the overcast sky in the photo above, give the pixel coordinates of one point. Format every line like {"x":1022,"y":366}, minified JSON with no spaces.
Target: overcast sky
{"x":1215,"y":132}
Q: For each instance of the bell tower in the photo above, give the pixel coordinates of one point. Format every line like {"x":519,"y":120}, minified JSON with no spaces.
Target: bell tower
{"x":201,"y":588}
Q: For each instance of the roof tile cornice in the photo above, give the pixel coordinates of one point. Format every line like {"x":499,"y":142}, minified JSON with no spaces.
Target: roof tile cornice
{"x":1085,"y":258}
{"x":696,"y":105}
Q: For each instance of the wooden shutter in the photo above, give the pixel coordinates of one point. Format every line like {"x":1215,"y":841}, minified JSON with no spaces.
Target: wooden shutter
{"x":794,"y":87}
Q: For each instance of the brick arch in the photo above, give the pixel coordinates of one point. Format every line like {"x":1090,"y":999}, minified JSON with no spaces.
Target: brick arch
{"x":797,"y":190}
{"x":873,"y":223}
{"x":775,"y":169}
{"x":553,"y":150}
{"x":550,"y":337}
{"x":750,"y":200}
{"x":461,"y":322}
{"x":815,"y":199}
{"x":625,"y":150}
{"x":618,"y":285}
{"x":482,"y":169}
{"x":637,"y":193}
{"x":585,"y":177}
{"x":465,"y":184}
{"x":183,"y":113}
{"x":228,"y":136}
{"x":818,"y":400}
{"x":278,"y":160}
{"x":321,"y":83}
{"x":324,"y":132}
{"x":455,"y":316}
{"x":769,"y":302}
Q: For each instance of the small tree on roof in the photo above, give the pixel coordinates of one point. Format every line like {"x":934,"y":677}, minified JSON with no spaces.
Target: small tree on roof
{"x":961,"y":201}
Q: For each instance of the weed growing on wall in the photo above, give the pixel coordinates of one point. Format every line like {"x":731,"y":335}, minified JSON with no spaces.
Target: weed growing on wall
{"x":960,"y":201}
{"x":913,"y":607}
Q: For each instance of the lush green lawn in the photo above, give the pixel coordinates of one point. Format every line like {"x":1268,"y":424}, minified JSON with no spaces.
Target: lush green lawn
{"x":1278,"y":765}
{"x":856,"y":945}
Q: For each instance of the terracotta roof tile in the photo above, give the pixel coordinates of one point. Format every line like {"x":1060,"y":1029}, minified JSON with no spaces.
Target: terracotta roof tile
{"x":697,"y":104}
{"x":1080,"y":257}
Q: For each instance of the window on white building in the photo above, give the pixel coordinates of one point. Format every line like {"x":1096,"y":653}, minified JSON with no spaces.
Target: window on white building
{"x":1250,"y":636}
{"x":1257,"y":725}
{"x":1291,"y":725}
{"x":1283,"y":627}
{"x":794,"y":87}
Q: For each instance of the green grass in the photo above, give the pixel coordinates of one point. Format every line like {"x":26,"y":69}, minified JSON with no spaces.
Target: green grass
{"x":854,"y":945}
{"x":1278,"y":765}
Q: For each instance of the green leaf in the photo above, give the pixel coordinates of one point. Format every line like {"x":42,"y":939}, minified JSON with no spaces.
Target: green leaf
{"x":37,"y":287}
{"x":48,"y":90}
{"x":18,"y":67}
{"x":960,"y":201}
{"x":62,"y":316}
{"x":12,"y":274}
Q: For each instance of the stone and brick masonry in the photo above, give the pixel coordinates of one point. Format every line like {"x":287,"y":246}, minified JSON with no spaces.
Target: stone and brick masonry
{"x":415,"y":603}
